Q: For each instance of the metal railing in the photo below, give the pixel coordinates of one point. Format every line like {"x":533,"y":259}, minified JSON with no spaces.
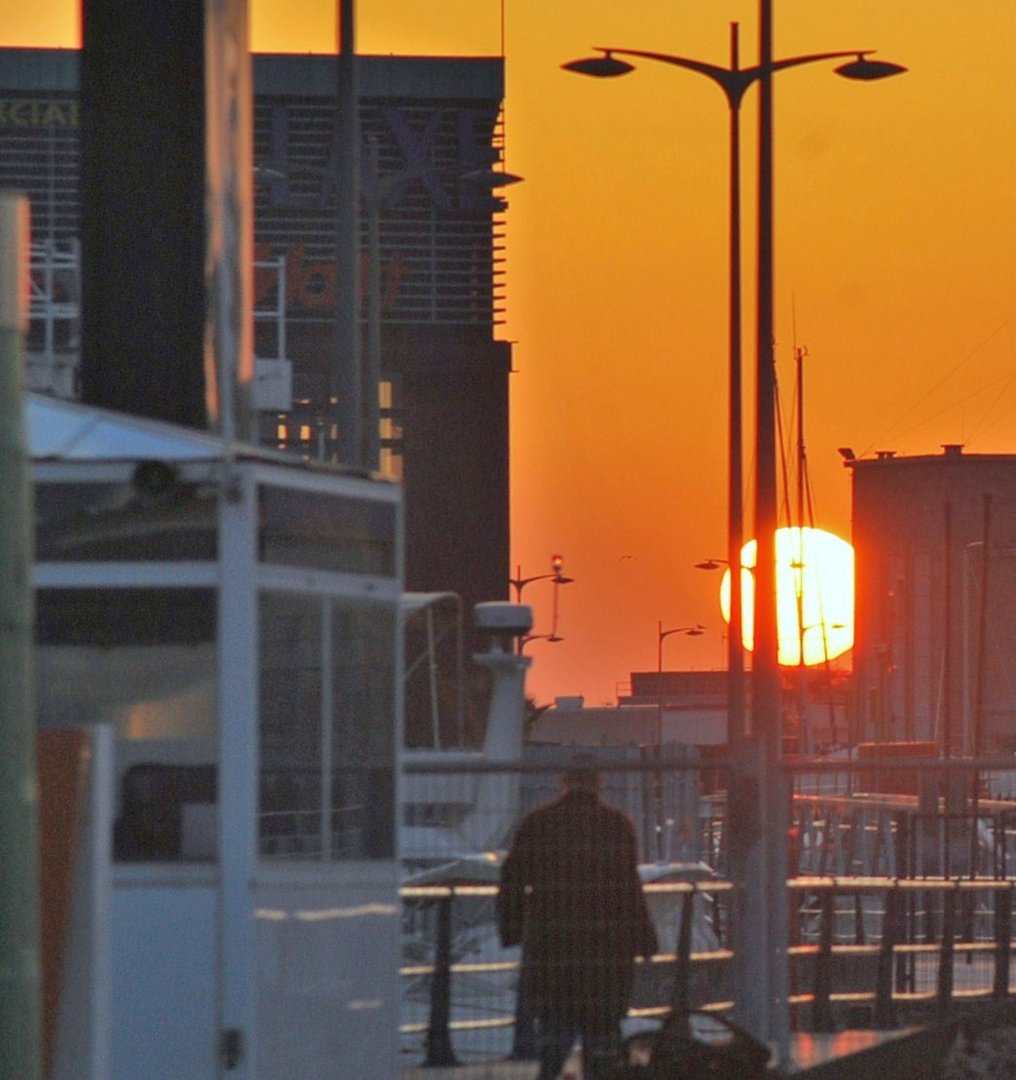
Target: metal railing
{"x":899,"y":962}
{"x":910,"y":920}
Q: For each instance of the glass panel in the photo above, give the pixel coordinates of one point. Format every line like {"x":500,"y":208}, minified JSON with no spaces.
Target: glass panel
{"x":352,"y":771}
{"x":363,"y":731}
{"x":144,"y":662}
{"x":155,"y":518}
{"x":290,"y":726}
{"x":322,"y":532}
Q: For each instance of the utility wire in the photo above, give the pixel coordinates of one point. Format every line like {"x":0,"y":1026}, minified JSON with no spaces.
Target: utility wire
{"x":941,"y":382}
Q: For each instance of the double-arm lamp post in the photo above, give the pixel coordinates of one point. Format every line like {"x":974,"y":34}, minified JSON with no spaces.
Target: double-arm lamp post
{"x":758,"y":812}
{"x":557,"y":575}
{"x":734,"y":81}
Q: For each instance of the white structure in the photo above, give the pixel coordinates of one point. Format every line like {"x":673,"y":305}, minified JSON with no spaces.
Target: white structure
{"x":226,"y":621}
{"x":458,"y":803}
{"x":568,"y":724}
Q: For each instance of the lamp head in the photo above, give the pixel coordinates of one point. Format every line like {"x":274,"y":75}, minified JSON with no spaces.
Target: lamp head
{"x":600,"y":67}
{"x":866,"y":70}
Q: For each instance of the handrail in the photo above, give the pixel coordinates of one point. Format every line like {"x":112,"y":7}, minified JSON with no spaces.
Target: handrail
{"x":892,"y":948}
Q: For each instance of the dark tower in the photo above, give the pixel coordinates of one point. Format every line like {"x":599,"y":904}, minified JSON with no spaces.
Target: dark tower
{"x":143,"y":208}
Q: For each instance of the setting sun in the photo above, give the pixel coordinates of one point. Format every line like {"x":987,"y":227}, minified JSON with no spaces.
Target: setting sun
{"x":814,"y":589}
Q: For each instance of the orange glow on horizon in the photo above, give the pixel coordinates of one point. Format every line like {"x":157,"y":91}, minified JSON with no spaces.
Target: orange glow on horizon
{"x":814,"y":588}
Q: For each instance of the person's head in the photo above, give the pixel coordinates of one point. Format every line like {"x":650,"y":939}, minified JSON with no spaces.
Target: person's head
{"x":582,"y":775}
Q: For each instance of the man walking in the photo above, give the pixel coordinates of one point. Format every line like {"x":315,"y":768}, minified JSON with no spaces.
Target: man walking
{"x":571,"y":894}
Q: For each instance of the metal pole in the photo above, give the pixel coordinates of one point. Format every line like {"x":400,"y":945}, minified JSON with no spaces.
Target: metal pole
{"x":735,"y":512}
{"x":20,"y":1001}
{"x":229,"y":228}
{"x":554,"y":610}
{"x":768,"y":727}
{"x":372,"y":372}
{"x":946,"y":734}
{"x":977,"y":730}
{"x":804,"y":742}
{"x":345,"y":386}
{"x":658,"y":775}
{"x":746,"y":854}
{"x":440,"y":1053}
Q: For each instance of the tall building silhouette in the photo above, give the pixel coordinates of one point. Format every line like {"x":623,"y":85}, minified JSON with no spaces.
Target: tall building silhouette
{"x":935,"y":541}
{"x":430,"y":150}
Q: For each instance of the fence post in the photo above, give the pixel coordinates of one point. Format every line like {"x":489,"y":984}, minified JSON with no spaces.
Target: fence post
{"x":821,"y":1011}
{"x":947,"y":951}
{"x":720,"y":923}
{"x":1003,"y":942}
{"x":680,"y":1002}
{"x":439,"y":1044}
{"x":860,"y":937}
{"x":885,"y":1009}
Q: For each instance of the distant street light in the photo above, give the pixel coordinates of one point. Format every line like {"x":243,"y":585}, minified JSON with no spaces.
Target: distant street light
{"x":661,"y":635}
{"x":689,"y":631}
{"x":518,"y":583}
{"x":557,"y":576}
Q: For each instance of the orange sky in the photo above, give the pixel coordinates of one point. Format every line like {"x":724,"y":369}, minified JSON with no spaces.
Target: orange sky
{"x":895,"y":269}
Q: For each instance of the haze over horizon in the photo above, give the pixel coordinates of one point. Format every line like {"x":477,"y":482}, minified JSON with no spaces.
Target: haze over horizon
{"x":895,"y":264}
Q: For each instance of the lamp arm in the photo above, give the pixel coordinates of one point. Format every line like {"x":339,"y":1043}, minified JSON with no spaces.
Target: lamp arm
{"x":521,"y":582}
{"x":811,"y":58}
{"x":732,"y":81}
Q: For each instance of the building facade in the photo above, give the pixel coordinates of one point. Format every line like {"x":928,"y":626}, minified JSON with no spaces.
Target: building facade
{"x":432,"y":226}
{"x":935,"y":542}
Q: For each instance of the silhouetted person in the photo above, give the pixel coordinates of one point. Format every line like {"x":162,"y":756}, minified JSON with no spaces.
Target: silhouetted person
{"x":571,"y":894}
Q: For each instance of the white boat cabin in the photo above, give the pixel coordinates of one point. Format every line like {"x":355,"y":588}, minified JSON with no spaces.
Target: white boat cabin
{"x":222,"y":625}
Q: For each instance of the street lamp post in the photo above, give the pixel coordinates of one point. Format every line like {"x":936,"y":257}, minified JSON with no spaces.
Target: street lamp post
{"x":689,"y":631}
{"x":557,"y":575}
{"x":758,"y":813}
{"x":734,"y":82}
